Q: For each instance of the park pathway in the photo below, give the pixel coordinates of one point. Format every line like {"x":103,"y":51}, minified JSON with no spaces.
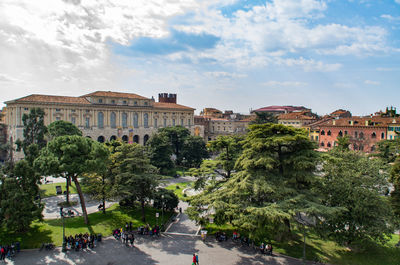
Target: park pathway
{"x":183,"y":225}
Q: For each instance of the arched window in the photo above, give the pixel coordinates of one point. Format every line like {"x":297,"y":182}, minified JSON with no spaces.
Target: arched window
{"x":124,"y":120}
{"x":125,"y":138}
{"x":329,"y":133}
{"x":113,"y":138}
{"x":340,"y":134}
{"x":373,"y":135}
{"x":100,"y":120}
{"x":100,"y":139}
{"x":136,"y":139}
{"x":322,"y":144}
{"x":328,"y":144}
{"x":383,"y":135}
{"x":146,"y":120}
{"x":145,"y":139}
{"x":345,"y":132}
{"x":113,"y":120}
{"x":356,"y":134}
{"x":135,"y":120}
{"x":361,"y":135}
{"x":173,"y":122}
{"x":322,"y":132}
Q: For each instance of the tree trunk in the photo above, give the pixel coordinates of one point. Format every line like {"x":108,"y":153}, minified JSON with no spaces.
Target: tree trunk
{"x":67,"y":189}
{"x":143,"y":212}
{"x":103,"y":195}
{"x":81,"y":198}
{"x":287,"y":224}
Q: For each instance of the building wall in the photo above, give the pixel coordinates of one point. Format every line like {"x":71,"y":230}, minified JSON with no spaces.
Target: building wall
{"x":79,"y":113}
{"x":393,"y":132}
{"x":362,"y":138}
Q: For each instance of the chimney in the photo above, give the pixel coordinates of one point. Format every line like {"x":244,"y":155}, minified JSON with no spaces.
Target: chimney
{"x":366,"y":123}
{"x":167,"y":98}
{"x":333,"y":122}
{"x":351,"y":122}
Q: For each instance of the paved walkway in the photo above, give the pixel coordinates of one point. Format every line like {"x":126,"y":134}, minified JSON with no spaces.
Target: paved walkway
{"x":183,"y":225}
{"x":52,"y":210}
{"x":168,"y":249}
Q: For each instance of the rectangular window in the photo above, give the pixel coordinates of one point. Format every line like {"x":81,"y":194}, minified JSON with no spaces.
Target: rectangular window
{"x":100,"y":100}
{"x":58,"y":109}
{"x":173,"y":122}
{"x":189,"y":123}
{"x":165,"y":122}
{"x":72,"y":110}
{"x":26,"y":108}
{"x":87,"y":122}
{"x":73,"y":120}
{"x":181,"y":122}
{"x":155,"y":123}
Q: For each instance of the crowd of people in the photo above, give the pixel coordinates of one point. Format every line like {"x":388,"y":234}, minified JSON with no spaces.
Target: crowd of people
{"x":82,"y":241}
{"x":9,"y":251}
{"x":266,"y":249}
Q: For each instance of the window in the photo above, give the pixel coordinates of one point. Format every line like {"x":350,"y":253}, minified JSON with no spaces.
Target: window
{"x":100,"y":100}
{"x":26,"y":108}
{"x":73,"y":120}
{"x":182,"y":123}
{"x":383,"y":135}
{"x":100,"y":120}
{"x":113,"y":120}
{"x":145,"y":103}
{"x":345,"y":132}
{"x":316,"y":138}
{"x":146,"y":120}
{"x":58,"y":109}
{"x":329,"y":133}
{"x":322,"y":144}
{"x":135,"y":103}
{"x":124,"y":102}
{"x":340,"y":134}
{"x":173,"y":122}
{"x":135,"y":120}
{"x":328,"y":144}
{"x":189,"y":123}
{"x":322,"y":132}
{"x":165,"y":122}
{"x":113,"y":101}
{"x":88,"y":110}
{"x":155,"y":123}
{"x":124,"y":120}
{"x":73,"y":110}
{"x":355,"y":134}
{"x":87,"y":122}
{"x":361,"y":135}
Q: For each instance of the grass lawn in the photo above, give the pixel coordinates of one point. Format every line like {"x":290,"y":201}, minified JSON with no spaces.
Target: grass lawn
{"x":178,"y":189}
{"x":328,"y":251}
{"x":49,"y":190}
{"x":51,"y":230}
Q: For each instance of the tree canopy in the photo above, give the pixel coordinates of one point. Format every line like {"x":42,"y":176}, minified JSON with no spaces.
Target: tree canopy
{"x":61,"y":128}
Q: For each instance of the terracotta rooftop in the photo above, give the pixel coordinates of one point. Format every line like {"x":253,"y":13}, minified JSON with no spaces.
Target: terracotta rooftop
{"x":280,"y":109}
{"x":361,"y":121}
{"x":339,"y":111}
{"x":162,"y":105}
{"x":114,"y":95}
{"x":296,"y":116}
{"x":51,"y":99}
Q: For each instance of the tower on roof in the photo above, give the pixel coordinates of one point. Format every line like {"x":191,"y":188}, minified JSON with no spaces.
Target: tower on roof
{"x":167,"y":98}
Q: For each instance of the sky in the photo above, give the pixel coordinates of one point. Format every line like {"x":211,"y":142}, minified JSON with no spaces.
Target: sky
{"x":227,"y":54}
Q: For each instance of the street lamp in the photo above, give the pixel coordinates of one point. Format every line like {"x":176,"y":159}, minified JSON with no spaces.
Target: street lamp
{"x":162,"y":210}
{"x":64,"y":244}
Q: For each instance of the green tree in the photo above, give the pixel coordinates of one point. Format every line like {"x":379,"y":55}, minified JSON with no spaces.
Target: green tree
{"x":343,"y":143}
{"x":194,"y":151}
{"x":61,"y":128}
{"x":229,"y":148}
{"x":275,"y":181}
{"x":264,"y":117}
{"x":177,"y":136}
{"x":395,"y":194}
{"x":19,"y":201}
{"x":34,"y":132}
{"x":355,"y":183}
{"x":166,"y":199}
{"x":160,"y":152}
{"x":135,"y":176}
{"x":388,"y":150}
{"x":73,"y":156}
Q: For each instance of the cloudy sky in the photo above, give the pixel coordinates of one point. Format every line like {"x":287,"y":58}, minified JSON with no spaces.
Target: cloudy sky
{"x":228,"y":54}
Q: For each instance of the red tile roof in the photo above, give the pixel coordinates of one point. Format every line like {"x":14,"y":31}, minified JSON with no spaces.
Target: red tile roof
{"x":361,"y":121}
{"x":162,"y":105}
{"x":51,"y":99}
{"x":114,"y":95}
{"x":296,"y":116}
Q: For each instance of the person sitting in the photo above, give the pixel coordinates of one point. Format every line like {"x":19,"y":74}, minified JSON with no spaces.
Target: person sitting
{"x":262,"y":248}
{"x":269,"y":250}
{"x":100,"y":207}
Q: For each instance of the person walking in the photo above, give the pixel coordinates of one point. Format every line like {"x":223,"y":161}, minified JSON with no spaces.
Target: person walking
{"x":197,"y":259}
{"x":194,"y":260}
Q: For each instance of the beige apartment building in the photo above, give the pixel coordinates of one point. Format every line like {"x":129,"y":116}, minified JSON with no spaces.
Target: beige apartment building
{"x":103,"y":115}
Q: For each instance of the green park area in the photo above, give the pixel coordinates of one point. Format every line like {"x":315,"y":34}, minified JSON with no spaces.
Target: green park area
{"x":178,"y":189}
{"x":51,"y":230}
{"x":49,"y":190}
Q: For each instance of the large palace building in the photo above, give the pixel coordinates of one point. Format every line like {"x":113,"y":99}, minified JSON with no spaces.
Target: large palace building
{"x":103,"y":115}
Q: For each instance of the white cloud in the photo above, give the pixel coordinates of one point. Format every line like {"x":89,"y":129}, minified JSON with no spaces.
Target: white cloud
{"x":284,"y":84}
{"x":224,"y":75}
{"x":390,"y":17}
{"x":397,"y":1}
{"x":8,"y":79}
{"x":372,"y":83}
